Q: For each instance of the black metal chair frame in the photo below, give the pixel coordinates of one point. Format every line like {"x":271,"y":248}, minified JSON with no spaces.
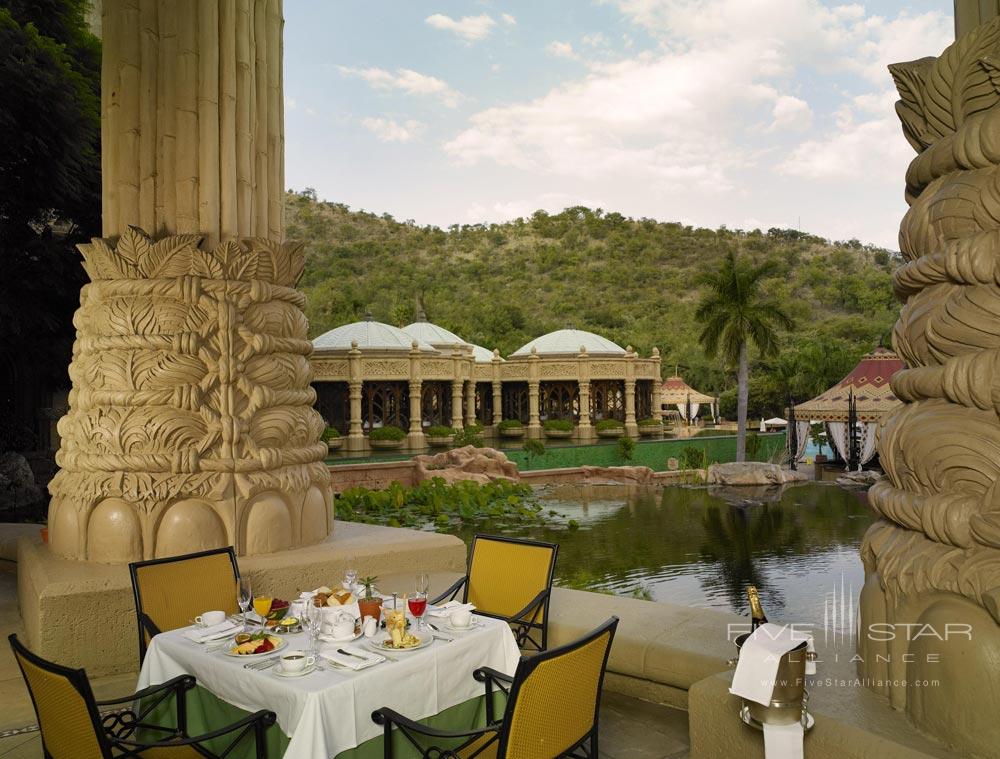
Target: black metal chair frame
{"x":521,"y":623}
{"x":585,"y":748}
{"x":145,"y":624}
{"x":116,"y":727}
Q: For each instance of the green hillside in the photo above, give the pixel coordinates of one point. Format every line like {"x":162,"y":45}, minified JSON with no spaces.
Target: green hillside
{"x":632,"y":280}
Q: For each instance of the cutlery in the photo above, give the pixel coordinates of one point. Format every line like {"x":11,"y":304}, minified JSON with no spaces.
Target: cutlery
{"x":356,"y":656}
{"x":437,"y":634}
{"x":260,"y":665}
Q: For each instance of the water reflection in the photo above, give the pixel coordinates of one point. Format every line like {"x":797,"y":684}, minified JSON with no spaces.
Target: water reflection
{"x":701,"y":547}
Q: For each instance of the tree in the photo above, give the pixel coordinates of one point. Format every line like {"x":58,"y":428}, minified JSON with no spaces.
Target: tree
{"x":50,"y":180}
{"x":735,"y":312}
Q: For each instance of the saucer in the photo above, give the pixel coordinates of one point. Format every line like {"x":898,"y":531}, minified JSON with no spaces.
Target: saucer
{"x":447,"y":625}
{"x":328,"y":638}
{"x":301,"y":673}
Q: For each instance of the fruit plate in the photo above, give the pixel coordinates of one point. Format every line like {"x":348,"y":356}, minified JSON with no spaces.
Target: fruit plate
{"x":279,"y":644}
{"x":378,"y":643}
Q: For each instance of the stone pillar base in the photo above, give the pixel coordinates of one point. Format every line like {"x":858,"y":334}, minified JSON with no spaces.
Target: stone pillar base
{"x":64,"y":602}
{"x":416,"y":441}
{"x":632,"y":429}
{"x":356,"y":443}
{"x":534,"y":430}
{"x":585,"y":432}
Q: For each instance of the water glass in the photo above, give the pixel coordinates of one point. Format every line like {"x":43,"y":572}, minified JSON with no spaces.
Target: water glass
{"x":313,"y":621}
{"x":244,"y":597}
{"x":350,"y":579}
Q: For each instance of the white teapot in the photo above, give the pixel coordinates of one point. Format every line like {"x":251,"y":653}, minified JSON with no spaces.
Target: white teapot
{"x":340,"y":625}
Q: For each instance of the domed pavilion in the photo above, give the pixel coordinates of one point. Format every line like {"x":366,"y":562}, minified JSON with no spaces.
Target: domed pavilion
{"x":368,"y":374}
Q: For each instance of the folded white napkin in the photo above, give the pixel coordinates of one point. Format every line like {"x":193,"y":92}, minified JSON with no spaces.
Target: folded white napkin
{"x":784,"y":741}
{"x":446,"y":610}
{"x":204,"y":634}
{"x":351,"y":662}
{"x":758,"y":664}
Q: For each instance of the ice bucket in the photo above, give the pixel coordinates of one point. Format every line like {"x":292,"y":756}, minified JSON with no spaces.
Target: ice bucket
{"x":789,"y":697}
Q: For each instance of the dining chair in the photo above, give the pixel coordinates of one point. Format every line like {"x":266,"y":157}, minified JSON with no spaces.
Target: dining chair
{"x":510,"y":579}
{"x":552,"y":708}
{"x":171,"y":592}
{"x":74,"y":725}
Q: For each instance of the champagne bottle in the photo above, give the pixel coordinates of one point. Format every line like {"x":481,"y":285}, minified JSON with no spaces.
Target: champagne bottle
{"x":757,"y":617}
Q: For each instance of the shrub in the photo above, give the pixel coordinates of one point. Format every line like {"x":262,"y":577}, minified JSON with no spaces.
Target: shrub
{"x":510,"y":424}
{"x":439,"y":430}
{"x":533,"y":448}
{"x":330,"y":433}
{"x":609,"y":424}
{"x":558,"y":425}
{"x":650,"y":422}
{"x":626,"y":447}
{"x":469,"y":436}
{"x":389,"y":432}
{"x":693,"y":457}
{"x":752,"y":446}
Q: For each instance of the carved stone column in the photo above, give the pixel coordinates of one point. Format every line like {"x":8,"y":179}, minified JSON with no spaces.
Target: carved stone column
{"x":355,"y":430}
{"x":190,"y":423}
{"x":658,"y":387}
{"x":932,"y":562}
{"x":585,"y":429}
{"x":415,"y":438}
{"x":470,"y":402}
{"x":631,"y":428}
{"x":534,"y":422}
{"x":497,"y":388}
{"x":457,"y":383}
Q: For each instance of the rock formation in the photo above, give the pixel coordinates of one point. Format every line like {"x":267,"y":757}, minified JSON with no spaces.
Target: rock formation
{"x":467,"y":463}
{"x":751,"y":473}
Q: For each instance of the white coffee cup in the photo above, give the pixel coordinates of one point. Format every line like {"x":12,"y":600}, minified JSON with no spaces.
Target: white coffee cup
{"x":210,"y":618}
{"x":460,"y":618}
{"x":296,"y":661}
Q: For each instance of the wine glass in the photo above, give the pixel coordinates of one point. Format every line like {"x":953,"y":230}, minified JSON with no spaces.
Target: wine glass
{"x":418,"y":603}
{"x":351,"y":579}
{"x":244,"y":597}
{"x":313,"y":620}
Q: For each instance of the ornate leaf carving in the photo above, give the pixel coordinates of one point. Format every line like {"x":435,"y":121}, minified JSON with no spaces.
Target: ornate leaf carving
{"x":958,"y":85}
{"x":910,"y":78}
{"x":169,"y":257}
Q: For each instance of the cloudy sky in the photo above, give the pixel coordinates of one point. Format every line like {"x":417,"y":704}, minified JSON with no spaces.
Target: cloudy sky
{"x":748,"y":113}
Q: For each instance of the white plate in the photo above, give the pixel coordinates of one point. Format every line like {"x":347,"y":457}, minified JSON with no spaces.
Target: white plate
{"x":250,"y":657}
{"x":301,"y":673}
{"x":375,"y":644}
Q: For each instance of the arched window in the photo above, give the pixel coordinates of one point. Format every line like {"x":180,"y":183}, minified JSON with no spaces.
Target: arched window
{"x":435,"y":403}
{"x":384,"y":404}
{"x":559,"y":400}
{"x":607,"y":400}
{"x":515,"y":401}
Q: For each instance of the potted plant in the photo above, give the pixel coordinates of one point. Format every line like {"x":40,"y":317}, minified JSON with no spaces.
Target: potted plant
{"x":610,"y":428}
{"x":439,"y":436}
{"x":386,"y":438}
{"x":511,"y":428}
{"x":331,"y":436}
{"x":558,"y":428}
{"x":369,"y":604}
{"x":650,"y":427}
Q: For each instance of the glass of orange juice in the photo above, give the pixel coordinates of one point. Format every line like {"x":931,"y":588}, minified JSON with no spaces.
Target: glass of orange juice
{"x":262,"y":605}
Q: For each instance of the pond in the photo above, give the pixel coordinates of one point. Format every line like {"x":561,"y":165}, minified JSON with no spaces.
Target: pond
{"x":701,"y":546}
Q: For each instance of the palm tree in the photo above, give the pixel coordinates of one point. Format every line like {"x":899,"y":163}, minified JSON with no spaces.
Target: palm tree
{"x":735,"y":311}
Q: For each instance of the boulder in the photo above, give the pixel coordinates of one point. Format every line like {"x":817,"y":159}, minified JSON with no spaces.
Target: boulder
{"x":863,"y":479}
{"x":17,"y":482}
{"x":599,"y":475}
{"x":467,"y":463}
{"x":751,"y":473}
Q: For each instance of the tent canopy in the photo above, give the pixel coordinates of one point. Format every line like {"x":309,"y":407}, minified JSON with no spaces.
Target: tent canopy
{"x":676,"y":391}
{"x":869,"y":381}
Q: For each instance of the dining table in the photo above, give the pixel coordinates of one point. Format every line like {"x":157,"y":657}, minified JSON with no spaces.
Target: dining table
{"x":327,"y":712}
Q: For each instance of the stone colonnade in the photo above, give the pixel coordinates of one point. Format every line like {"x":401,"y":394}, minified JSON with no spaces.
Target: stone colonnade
{"x":493,"y":383}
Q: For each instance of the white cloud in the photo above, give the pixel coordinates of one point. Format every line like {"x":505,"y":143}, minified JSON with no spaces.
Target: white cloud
{"x":791,"y":113}
{"x":388,"y":130}
{"x":508,"y":19}
{"x":408,"y":81}
{"x":469,"y":28}
{"x":597,"y":39}
{"x":559,"y":49}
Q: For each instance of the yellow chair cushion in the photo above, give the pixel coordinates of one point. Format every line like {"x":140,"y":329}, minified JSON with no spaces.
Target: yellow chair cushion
{"x":175,"y":592}
{"x":555,"y":704}
{"x":489,"y":752}
{"x":504,"y":577}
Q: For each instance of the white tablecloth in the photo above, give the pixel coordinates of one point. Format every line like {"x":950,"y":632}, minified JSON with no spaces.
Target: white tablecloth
{"x":329,"y":711}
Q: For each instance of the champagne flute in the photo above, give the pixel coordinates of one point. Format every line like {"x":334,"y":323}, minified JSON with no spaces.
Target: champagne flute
{"x":244,"y":597}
